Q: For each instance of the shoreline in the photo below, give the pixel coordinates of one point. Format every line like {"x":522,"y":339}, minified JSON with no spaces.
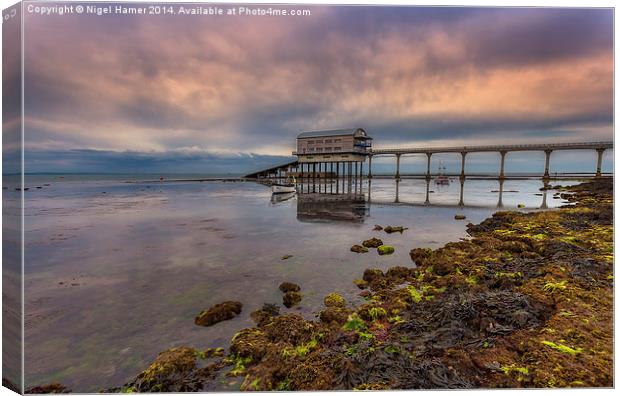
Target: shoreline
{"x":528,"y":293}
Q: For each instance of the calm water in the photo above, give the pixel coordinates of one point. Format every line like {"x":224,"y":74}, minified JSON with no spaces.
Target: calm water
{"x":116,"y":271}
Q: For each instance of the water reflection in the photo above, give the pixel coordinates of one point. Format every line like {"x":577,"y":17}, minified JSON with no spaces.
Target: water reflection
{"x":321,"y":193}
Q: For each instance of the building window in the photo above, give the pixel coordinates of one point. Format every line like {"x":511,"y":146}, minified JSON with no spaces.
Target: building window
{"x":319,"y":149}
{"x":337,"y":148}
{"x":319,"y":141}
{"x":328,"y":140}
{"x":310,"y":141}
{"x":328,"y":149}
{"x":337,"y":140}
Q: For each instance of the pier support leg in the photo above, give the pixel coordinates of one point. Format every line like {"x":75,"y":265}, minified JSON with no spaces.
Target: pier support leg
{"x":428,"y":166}
{"x":397,"y":176}
{"x":599,"y":161}
{"x":370,"y":166}
{"x":314,"y":177}
{"x":547,"y":160}
{"x":501,"y":166}
{"x":337,"y":177}
{"x":427,"y":201}
{"x":463,"y":154}
{"x":461,"y":202}
{"x":500,"y":203}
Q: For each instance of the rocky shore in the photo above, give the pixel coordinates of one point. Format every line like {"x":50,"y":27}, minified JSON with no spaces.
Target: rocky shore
{"x":526,"y":302}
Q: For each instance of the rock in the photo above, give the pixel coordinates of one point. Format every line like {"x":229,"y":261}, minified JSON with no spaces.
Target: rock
{"x":459,"y":217}
{"x":291,"y":298}
{"x":217,"y":313}
{"x":286,"y":256}
{"x":443,"y":268}
{"x":365,"y":294}
{"x":286,"y":287}
{"x":332,"y":314}
{"x":385,"y":249}
{"x":520,"y":206}
{"x":372,"y":243}
{"x":362,"y":284}
{"x":359,"y":249}
{"x":168,"y":372}
{"x":371,"y":274}
{"x":49,"y":388}
{"x":390,"y":229}
{"x":377,"y":228}
{"x":334,"y":300}
{"x":419,"y":255}
{"x":265,"y":314}
{"x":398,"y":272}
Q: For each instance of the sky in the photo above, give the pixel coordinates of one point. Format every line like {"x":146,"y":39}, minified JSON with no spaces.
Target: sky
{"x":211,"y":94}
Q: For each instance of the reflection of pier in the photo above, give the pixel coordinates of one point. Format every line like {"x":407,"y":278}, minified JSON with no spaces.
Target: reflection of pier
{"x":461,"y":203}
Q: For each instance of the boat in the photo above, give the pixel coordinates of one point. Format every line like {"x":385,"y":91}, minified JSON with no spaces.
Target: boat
{"x":441,"y":178}
{"x":284,"y":188}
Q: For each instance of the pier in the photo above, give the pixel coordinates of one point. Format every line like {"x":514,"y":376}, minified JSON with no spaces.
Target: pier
{"x":502,"y":150}
{"x":327,"y":154}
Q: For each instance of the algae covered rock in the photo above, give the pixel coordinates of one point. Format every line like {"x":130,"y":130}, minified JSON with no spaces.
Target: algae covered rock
{"x":400,"y":273}
{"x":170,"y":372}
{"x":372,"y":243}
{"x":391,"y":229}
{"x":371,"y":274}
{"x":217,"y":313}
{"x":385,"y":249}
{"x":46,"y":389}
{"x":459,"y":217}
{"x":420,"y":255}
{"x":362,"y":284}
{"x":265,"y":314}
{"x":334,"y":300}
{"x":377,"y":228}
{"x":286,"y":287}
{"x":291,"y":298}
{"x":359,"y":249}
{"x":334,"y":315}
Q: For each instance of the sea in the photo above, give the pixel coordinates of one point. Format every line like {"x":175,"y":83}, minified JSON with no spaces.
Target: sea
{"x":118,"y":266}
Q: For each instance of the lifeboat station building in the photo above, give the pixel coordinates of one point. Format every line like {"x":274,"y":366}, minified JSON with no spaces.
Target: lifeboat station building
{"x":340,"y":145}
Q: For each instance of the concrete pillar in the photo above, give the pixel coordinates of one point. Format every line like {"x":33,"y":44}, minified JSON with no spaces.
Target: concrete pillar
{"x":547,"y":159}
{"x":428,"y":165}
{"x":331,"y":177}
{"x":397,"y":166}
{"x":337,"y":177}
{"x":599,"y":161}
{"x":463,"y":154}
{"x":370,"y":166}
{"x":314,"y":177}
{"x":427,"y":201}
{"x":501,"y":166}
{"x":461,"y":202}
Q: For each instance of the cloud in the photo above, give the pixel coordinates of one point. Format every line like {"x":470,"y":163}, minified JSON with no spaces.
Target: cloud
{"x":409,"y":75}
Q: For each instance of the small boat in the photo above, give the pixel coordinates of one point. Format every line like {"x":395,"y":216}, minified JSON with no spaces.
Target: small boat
{"x":284,"y":188}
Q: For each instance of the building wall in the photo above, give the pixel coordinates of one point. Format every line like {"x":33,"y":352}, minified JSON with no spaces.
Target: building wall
{"x":327,"y":144}
{"x":337,"y":157}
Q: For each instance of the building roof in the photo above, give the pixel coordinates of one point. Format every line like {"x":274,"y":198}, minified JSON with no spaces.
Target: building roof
{"x":359,"y":132}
